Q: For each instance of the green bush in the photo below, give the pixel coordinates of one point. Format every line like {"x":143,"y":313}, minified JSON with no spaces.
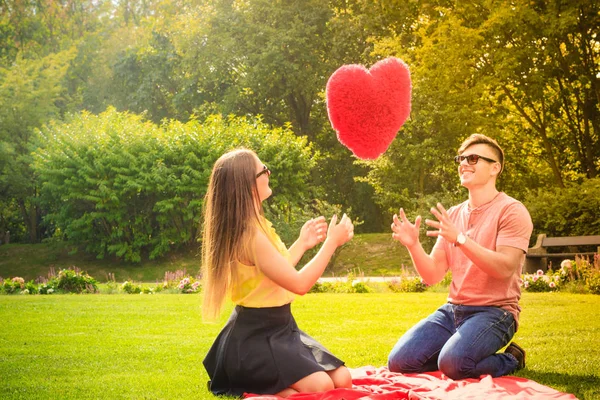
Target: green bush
{"x":540,"y":282}
{"x":566,"y":211}
{"x":574,"y":270}
{"x":580,"y":275}
{"x":350,"y":285}
{"x":593,"y":277}
{"x":31,"y":287}
{"x":17,"y":285}
{"x":407,"y":284}
{"x":76,"y":281}
{"x":119,"y":185}
{"x":48,"y":287}
{"x":189,"y":285}
{"x":131,"y":288}
{"x":134,"y":288}
{"x":14,"y":285}
{"x":593,"y":282}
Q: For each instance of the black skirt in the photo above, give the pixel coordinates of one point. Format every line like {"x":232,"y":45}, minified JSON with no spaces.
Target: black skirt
{"x":262,"y":351}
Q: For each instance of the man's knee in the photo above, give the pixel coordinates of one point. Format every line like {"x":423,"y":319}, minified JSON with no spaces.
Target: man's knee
{"x":455,"y":366}
{"x":403,"y":360}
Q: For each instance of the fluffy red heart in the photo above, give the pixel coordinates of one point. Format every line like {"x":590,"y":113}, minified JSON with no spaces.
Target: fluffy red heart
{"x":368,"y":107}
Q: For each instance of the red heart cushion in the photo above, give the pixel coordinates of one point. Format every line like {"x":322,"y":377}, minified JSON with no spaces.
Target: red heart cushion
{"x":368,"y":107}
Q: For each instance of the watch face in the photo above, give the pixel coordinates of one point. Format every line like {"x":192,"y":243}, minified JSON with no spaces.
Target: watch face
{"x":461,"y":238}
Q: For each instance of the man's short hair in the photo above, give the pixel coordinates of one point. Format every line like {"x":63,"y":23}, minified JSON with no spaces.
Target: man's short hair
{"x":478,"y":138}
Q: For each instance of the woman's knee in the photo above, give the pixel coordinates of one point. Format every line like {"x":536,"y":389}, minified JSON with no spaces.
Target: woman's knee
{"x":315,"y":382}
{"x":341,"y":377}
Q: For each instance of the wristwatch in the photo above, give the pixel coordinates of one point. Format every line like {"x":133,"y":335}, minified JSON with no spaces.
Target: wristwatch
{"x":460,"y":239}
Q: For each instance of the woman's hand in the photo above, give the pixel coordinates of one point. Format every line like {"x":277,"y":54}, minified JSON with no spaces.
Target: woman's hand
{"x":342,"y":232}
{"x":313,"y":232}
{"x":404,"y":231}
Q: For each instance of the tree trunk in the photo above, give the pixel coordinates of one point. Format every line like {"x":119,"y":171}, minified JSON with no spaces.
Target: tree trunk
{"x":30,"y":218}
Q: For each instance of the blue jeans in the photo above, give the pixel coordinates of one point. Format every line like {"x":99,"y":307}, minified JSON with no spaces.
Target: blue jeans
{"x":460,"y":341}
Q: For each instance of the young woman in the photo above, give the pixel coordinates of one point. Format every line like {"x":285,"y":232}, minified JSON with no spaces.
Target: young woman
{"x":261,"y":349}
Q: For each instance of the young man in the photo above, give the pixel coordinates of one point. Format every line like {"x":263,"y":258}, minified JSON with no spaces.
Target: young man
{"x":483,"y":242}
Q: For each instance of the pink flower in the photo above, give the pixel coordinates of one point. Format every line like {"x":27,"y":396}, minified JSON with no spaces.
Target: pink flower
{"x":535,"y":278}
{"x":552,"y":285}
{"x":540,"y":272}
{"x":181,"y":286}
{"x":526,"y":284}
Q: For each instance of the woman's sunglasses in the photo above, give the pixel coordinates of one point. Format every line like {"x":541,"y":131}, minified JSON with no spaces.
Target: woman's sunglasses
{"x":472,"y":159}
{"x":264,"y":171}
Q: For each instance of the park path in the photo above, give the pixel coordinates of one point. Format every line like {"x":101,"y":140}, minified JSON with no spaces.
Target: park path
{"x":359,"y":278}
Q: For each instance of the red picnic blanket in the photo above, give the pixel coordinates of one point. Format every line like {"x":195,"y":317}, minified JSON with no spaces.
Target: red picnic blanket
{"x":370,"y":383}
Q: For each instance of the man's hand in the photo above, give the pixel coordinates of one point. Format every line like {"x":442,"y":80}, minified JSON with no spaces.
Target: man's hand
{"x":404,"y":231}
{"x":445,"y":227}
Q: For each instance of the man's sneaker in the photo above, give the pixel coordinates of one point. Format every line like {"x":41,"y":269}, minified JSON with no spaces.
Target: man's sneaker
{"x":518,"y":353}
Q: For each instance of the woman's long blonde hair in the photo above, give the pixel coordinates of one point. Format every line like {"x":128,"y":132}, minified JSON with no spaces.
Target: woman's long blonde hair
{"x":232,"y":211}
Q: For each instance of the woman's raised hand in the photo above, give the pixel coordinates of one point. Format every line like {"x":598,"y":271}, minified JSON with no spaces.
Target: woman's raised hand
{"x":313,"y":232}
{"x":342,"y":232}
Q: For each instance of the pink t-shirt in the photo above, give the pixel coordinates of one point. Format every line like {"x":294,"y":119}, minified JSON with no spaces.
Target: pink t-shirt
{"x":503,"y":221}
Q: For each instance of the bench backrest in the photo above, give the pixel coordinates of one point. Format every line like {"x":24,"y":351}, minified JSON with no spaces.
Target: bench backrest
{"x":571,"y":241}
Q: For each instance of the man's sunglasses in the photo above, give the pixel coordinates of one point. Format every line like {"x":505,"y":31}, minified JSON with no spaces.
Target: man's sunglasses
{"x":264,"y":171}
{"x":472,"y":159}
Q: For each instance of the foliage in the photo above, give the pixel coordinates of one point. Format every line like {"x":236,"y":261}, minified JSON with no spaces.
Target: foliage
{"x":579,"y":275}
{"x":76,"y":281}
{"x":11,"y":222}
{"x":350,"y":285}
{"x":131,"y":287}
{"x":47,"y":287}
{"x":574,"y":270}
{"x":540,"y":282}
{"x":413,"y":284}
{"x":189,"y":285}
{"x":31,"y":288}
{"x":523,"y":72}
{"x":566,"y":212}
{"x":14,"y":285}
{"x":30,"y":95}
{"x":123,"y":186}
{"x":593,"y":282}
{"x":499,"y":69}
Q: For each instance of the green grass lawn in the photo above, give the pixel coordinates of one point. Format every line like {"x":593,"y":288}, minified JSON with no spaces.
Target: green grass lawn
{"x":151,"y":347}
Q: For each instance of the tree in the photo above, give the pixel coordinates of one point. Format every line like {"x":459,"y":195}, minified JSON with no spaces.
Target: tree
{"x":523,"y":72}
{"x":30,"y":92}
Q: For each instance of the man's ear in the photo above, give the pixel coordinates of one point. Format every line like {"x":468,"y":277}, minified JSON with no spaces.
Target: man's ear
{"x":497,"y":169}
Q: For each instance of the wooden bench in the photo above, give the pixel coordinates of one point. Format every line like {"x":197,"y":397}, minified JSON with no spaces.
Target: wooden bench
{"x":538,"y":256}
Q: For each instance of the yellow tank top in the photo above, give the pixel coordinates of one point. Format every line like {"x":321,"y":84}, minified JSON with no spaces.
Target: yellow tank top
{"x":253,"y":288}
